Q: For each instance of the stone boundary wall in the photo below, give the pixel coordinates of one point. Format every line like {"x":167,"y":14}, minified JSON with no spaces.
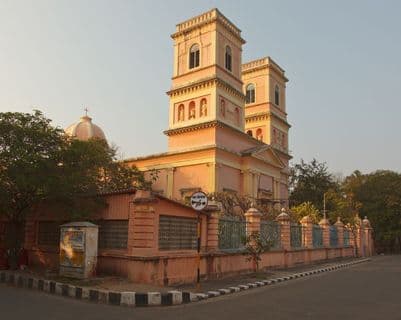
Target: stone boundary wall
{"x":143,"y":262}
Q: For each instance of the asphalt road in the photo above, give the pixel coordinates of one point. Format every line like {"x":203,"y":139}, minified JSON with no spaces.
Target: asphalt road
{"x":370,"y":290}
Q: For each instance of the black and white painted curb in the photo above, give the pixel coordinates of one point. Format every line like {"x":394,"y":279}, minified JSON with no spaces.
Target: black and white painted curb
{"x":135,"y":299}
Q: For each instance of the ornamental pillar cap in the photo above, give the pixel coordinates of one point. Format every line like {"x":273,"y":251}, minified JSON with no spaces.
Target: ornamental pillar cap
{"x":143,"y":196}
{"x":252,"y":212}
{"x":283,"y":216}
{"x":339,"y":223}
{"x":366,"y":222}
{"x":324,"y":222}
{"x":306,"y":220}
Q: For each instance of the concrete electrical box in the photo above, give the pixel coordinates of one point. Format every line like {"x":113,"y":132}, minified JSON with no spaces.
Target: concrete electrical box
{"x":78,"y":249}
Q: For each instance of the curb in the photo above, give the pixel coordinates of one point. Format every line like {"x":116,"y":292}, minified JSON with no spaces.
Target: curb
{"x":136,"y":299}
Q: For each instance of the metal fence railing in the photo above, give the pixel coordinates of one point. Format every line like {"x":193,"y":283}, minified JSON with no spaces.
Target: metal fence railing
{"x":296,"y":235}
{"x":346,"y":238}
{"x":270,"y":234}
{"x":317,"y":236}
{"x":333,"y":236}
{"x":232,"y":234}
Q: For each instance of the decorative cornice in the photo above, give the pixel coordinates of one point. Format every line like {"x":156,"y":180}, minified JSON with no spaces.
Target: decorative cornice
{"x":205,"y":83}
{"x":203,"y":19}
{"x":263,"y":116}
{"x":263,"y":63}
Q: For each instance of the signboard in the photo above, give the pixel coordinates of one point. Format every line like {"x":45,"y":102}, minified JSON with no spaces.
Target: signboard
{"x":199,"y":200}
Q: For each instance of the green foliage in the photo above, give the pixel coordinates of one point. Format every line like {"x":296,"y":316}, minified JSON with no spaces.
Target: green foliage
{"x":306,"y":209}
{"x":380,"y":196}
{"x":39,"y":164}
{"x":233,"y":204}
{"x":308,"y":183}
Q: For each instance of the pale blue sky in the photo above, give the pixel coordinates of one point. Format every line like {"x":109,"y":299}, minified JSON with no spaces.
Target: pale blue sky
{"x":343,"y":59}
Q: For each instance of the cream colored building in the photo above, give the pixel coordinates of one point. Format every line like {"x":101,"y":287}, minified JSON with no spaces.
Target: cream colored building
{"x":227,"y":126}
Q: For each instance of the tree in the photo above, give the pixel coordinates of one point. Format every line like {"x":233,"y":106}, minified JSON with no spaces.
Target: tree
{"x":306,"y":209}
{"x":40,"y":165}
{"x":380,"y":195}
{"x":309,"y":182}
{"x":233,"y":204}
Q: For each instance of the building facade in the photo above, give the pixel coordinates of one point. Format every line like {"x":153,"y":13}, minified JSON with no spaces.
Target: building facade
{"x":227,"y":127}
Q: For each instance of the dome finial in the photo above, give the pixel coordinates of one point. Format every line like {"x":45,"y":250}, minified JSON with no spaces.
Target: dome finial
{"x":86,"y":111}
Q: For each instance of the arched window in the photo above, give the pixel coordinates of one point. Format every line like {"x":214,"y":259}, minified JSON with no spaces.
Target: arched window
{"x":191,"y":110}
{"x":250,"y":93}
{"x":259,"y":134}
{"x":228,"y":58}
{"x":203,"y":108}
{"x":194,"y":56}
{"x":276,"y":95}
{"x":181,"y":112}
{"x":249,"y":132}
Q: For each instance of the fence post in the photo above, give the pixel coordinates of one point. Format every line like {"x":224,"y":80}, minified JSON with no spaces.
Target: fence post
{"x":325,"y":225}
{"x":307,"y":227}
{"x":368,"y":243}
{"x":285,"y":231}
{"x":340,"y":232}
{"x":358,"y":237}
{"x":252,"y":217}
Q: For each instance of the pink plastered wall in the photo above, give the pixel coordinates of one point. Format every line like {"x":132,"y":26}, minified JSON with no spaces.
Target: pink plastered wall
{"x":229,"y":178}
{"x":194,"y":176}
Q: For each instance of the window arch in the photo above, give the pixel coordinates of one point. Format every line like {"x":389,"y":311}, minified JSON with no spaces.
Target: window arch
{"x":249,"y":133}
{"x":181,"y":112}
{"x":259,"y":134}
{"x":250,"y":93}
{"x":228,"y":58}
{"x":194,"y":56}
{"x":191,"y":110}
{"x":276,"y":95}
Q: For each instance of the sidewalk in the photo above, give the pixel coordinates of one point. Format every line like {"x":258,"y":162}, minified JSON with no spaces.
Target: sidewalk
{"x":118,"y":284}
{"x":108,"y":290}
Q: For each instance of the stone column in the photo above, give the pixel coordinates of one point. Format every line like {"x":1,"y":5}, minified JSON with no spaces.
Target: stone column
{"x":252,"y":217}
{"x":340,"y":232}
{"x":325,"y":225}
{"x":143,"y":225}
{"x":307,"y":229}
{"x":284,"y":220}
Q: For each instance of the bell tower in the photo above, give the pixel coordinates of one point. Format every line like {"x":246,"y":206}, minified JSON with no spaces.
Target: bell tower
{"x":206,"y":86}
{"x":265,"y":104}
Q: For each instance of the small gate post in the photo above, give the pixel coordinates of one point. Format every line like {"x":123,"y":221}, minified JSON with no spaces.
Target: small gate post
{"x":367,"y":230}
{"x":285,"y":234}
{"x":325,"y":225}
{"x":340,"y":232}
{"x":307,"y":226}
{"x":252,"y":217}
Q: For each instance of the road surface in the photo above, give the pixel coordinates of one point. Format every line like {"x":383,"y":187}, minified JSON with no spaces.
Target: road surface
{"x":370,"y":290}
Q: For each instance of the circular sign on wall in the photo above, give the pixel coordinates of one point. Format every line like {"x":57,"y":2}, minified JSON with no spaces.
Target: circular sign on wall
{"x":199,"y":200}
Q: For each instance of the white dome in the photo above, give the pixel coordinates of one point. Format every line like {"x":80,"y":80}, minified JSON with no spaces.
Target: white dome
{"x":84,"y":129}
